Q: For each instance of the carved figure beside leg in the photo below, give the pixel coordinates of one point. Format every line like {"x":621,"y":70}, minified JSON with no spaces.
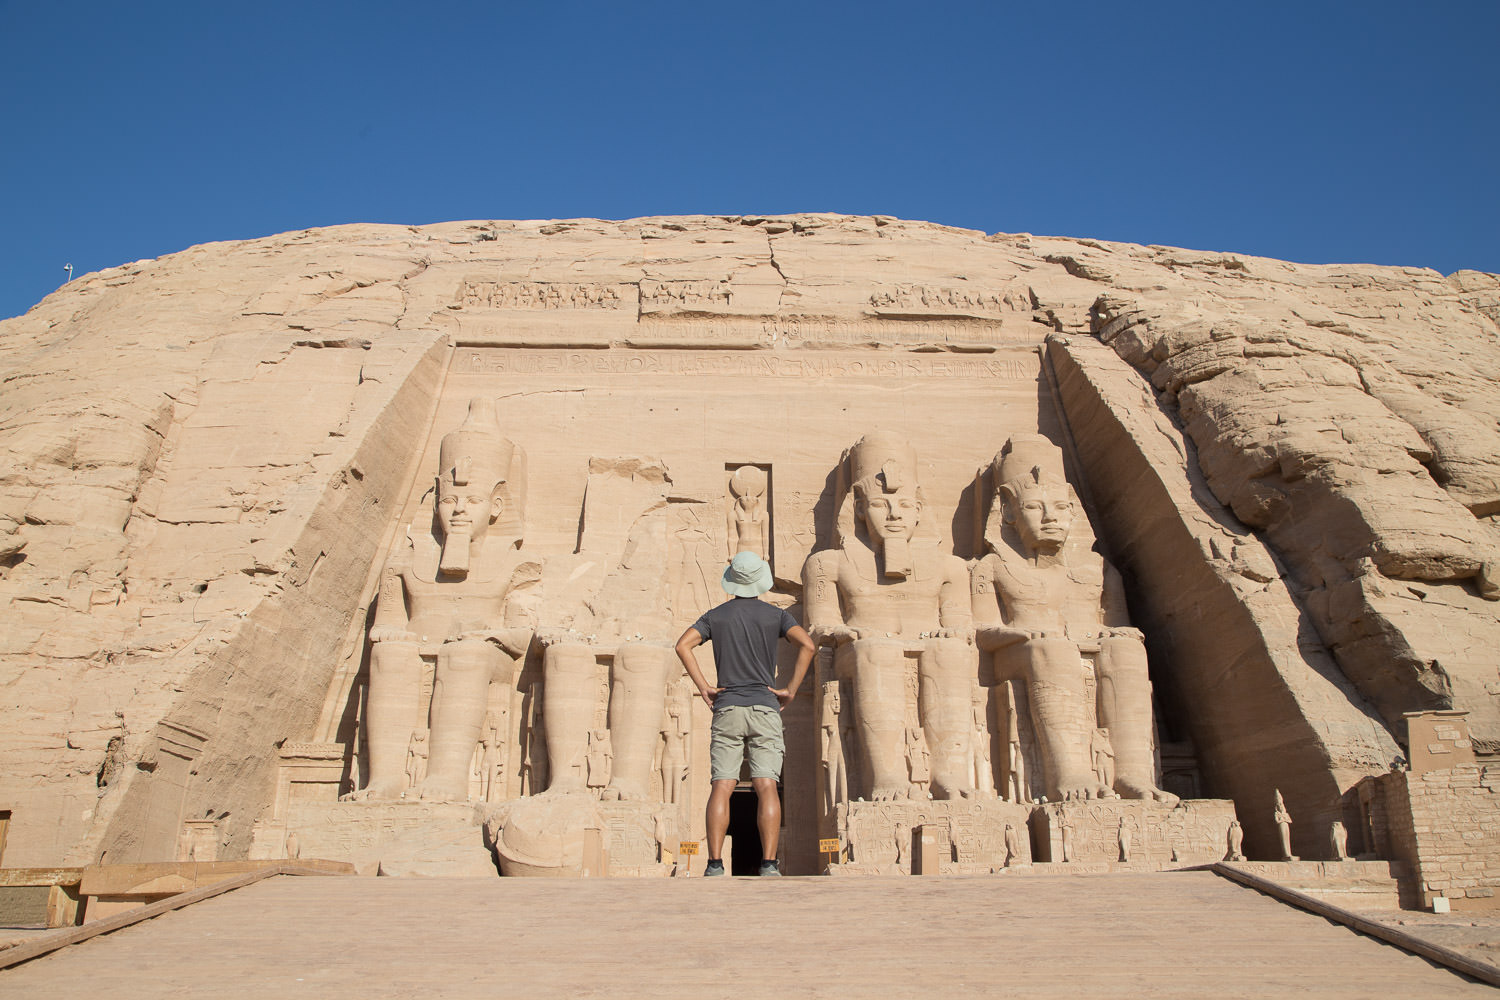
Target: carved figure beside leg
{"x":1284,"y":828}
{"x":1104,"y":759}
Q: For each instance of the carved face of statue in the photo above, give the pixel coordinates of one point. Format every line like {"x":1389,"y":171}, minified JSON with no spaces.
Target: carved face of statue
{"x":891,"y":515}
{"x":466,"y":510}
{"x":1042,"y":516}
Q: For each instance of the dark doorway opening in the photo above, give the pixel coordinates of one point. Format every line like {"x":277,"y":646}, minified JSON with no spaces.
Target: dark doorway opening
{"x":745,"y":852}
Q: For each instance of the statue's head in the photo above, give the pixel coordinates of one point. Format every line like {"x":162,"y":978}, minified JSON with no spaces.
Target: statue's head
{"x":1033,"y":494}
{"x":886,"y":497}
{"x":474,"y":470}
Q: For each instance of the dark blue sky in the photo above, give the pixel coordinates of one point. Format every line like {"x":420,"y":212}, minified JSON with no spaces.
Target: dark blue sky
{"x":1314,"y":131}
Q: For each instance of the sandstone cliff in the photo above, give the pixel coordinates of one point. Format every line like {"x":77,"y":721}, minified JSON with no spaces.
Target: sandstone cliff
{"x":1296,"y":467}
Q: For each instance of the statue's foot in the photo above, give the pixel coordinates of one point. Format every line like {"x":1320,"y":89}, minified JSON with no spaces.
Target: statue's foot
{"x":560,"y":788}
{"x":888,"y":793}
{"x":625,"y":793}
{"x":442,"y":791}
{"x":382,"y":791}
{"x":1132,"y":789}
{"x":1076,"y":793}
{"x":955,"y":793}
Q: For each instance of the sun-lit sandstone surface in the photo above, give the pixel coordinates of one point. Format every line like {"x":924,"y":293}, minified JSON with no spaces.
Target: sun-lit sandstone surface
{"x":227,"y":561}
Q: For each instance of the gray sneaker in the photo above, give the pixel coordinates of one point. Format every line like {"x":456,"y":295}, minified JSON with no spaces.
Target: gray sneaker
{"x":714,"y":867}
{"x":769,"y":868}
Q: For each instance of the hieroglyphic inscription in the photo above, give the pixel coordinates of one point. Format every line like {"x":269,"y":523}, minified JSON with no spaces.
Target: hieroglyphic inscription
{"x":922,"y":298}
{"x":965,"y":333}
{"x":543,"y":295}
{"x":763,"y":364}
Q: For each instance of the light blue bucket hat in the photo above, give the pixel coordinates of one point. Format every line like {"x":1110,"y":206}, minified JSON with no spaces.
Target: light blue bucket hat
{"x":747,"y":576}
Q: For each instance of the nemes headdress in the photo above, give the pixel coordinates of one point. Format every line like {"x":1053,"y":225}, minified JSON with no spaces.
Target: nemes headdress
{"x":882,"y":463}
{"x":478,"y":454}
{"x":1028,"y":460}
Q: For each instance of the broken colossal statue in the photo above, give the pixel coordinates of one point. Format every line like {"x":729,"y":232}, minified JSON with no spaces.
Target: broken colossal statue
{"x":1046,"y":608}
{"x":445,"y":595}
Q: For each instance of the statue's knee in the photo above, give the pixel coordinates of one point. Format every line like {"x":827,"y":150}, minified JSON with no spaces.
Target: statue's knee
{"x":467,"y":656}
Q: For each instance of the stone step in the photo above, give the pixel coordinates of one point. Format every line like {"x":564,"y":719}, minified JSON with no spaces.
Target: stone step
{"x":1181,"y":934}
{"x":1355,"y":885}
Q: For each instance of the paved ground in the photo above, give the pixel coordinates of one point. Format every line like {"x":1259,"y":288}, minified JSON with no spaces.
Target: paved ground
{"x":1186,"y":934}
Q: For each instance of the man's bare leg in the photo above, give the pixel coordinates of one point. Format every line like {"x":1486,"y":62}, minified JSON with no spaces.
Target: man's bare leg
{"x":716,"y":816}
{"x":767,"y":816}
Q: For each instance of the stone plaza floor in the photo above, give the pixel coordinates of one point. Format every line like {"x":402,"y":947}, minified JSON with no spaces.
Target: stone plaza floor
{"x":1185,"y":934}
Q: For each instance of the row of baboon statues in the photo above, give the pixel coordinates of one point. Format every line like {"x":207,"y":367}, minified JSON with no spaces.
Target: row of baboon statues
{"x":1038,"y":614}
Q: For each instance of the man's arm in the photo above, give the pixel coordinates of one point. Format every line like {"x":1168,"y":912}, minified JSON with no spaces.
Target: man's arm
{"x":805,"y":650}
{"x":692,"y":639}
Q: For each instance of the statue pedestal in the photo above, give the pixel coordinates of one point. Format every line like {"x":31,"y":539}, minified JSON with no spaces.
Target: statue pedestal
{"x":573,"y":835}
{"x":1195,"y":831}
{"x":631,"y":830}
{"x":878,"y":837}
{"x":433,"y":839}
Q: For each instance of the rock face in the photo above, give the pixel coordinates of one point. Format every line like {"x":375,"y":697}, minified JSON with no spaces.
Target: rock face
{"x":210,"y":458}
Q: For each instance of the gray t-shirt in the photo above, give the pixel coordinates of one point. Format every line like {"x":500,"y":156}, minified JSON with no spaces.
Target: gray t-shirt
{"x":744,"y":631}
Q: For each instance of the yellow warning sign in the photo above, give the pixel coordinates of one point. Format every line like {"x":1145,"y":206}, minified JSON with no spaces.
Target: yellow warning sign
{"x":687,"y":847}
{"x":829,"y":845}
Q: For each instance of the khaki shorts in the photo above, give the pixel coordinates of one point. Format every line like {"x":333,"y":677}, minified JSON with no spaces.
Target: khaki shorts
{"x":739,"y":729}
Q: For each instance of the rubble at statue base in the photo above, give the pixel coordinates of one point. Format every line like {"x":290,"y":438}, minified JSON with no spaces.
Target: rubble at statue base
{"x":372,"y":543}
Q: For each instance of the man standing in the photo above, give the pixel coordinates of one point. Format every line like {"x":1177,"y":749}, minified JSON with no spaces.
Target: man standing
{"x":747,"y":705}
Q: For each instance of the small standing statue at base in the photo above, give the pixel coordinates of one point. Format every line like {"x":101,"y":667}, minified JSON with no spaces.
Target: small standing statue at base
{"x":1236,"y":837}
{"x":1125,"y":839}
{"x":1338,"y":839}
{"x":1012,"y":845}
{"x":1284,"y":828}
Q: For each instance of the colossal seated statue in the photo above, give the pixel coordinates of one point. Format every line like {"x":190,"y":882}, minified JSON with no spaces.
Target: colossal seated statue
{"x":882,"y":596}
{"x":448,"y":594}
{"x":1040,"y":605}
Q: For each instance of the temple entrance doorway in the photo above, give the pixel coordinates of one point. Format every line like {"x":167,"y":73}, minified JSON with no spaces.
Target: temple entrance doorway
{"x":744,"y":833}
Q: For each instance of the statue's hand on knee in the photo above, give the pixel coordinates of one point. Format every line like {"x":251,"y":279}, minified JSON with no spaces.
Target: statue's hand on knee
{"x":513,"y":640}
{"x":993,"y":637}
{"x":834,"y":635}
{"x":391,"y":633}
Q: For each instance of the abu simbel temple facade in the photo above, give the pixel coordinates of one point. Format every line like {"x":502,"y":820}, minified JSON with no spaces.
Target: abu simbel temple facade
{"x":371,"y":544}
